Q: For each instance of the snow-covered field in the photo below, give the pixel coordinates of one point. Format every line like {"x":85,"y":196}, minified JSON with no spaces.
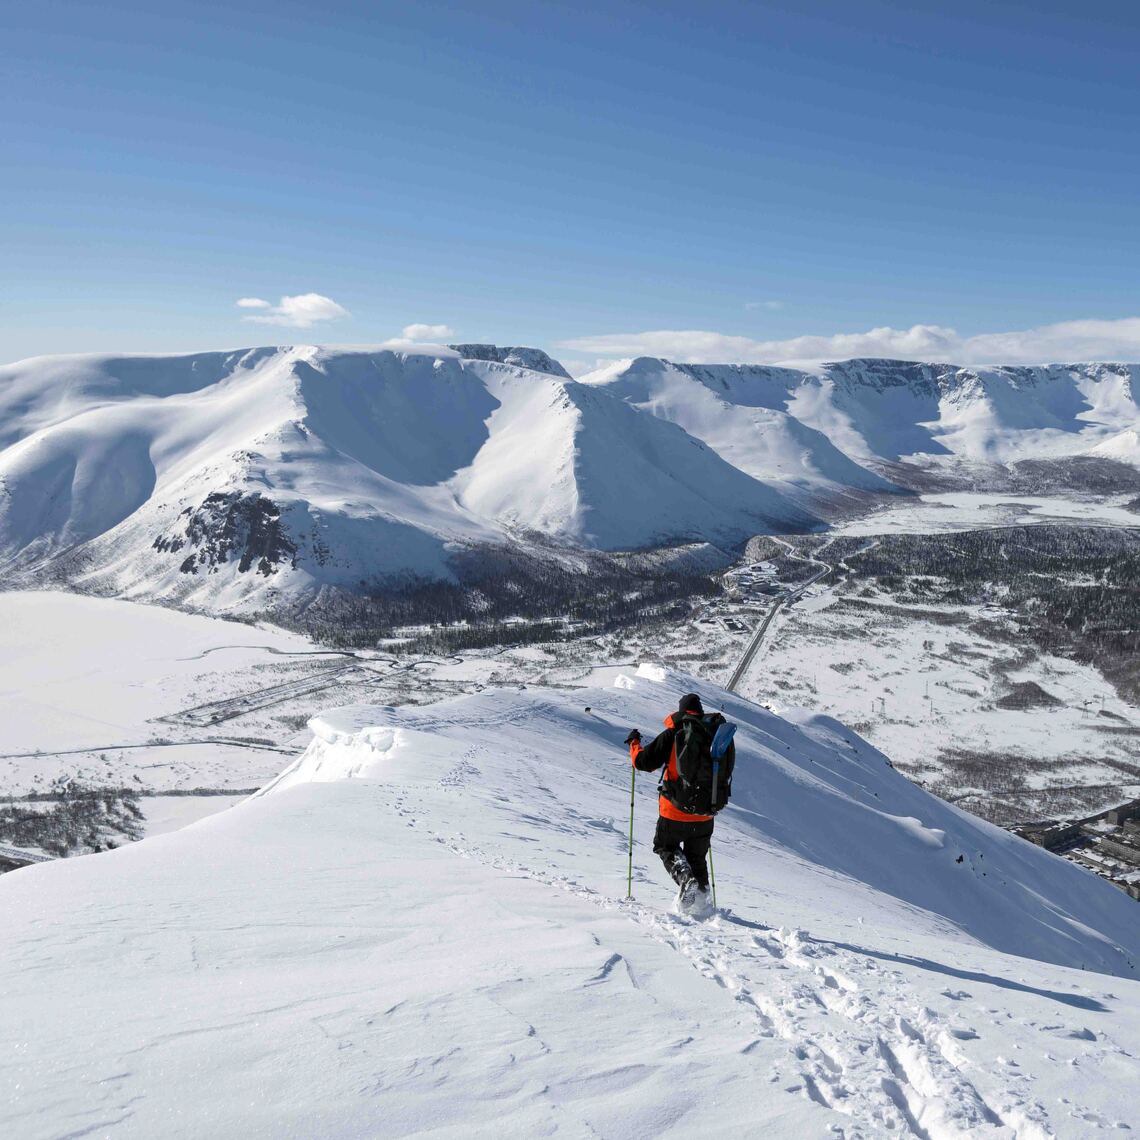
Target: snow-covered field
{"x":421,"y":929}
{"x":922,"y":686}
{"x":965,"y":510}
{"x":171,"y":813}
{"x":85,"y":681}
{"x":118,"y":693}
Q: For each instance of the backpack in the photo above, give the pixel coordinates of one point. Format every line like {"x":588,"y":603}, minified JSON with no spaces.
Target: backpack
{"x":704,"y":771}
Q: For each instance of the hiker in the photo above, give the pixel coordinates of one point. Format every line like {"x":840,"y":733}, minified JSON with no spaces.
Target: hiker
{"x":689,"y":794}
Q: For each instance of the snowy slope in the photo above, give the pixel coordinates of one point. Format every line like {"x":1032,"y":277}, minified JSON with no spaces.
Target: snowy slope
{"x":591,"y":469}
{"x":230,"y":480}
{"x":1124,"y":447}
{"x":818,"y":427}
{"x":739,"y":410}
{"x":420,"y":928}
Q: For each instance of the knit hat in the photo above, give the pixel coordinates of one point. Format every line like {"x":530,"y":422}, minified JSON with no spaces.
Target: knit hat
{"x":690,"y":702}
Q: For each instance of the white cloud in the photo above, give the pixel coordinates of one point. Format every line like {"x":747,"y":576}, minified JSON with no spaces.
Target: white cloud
{"x":771,"y":306}
{"x":578,"y":368}
{"x":1066,"y":341}
{"x":297,"y":312}
{"x":416,"y":334}
{"x":431,"y":333}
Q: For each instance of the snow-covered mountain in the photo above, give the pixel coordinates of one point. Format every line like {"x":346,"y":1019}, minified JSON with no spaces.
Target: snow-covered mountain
{"x":233,"y":479}
{"x":250,"y":479}
{"x":803,"y":428}
{"x":421,"y":928}
{"x":742,"y":412}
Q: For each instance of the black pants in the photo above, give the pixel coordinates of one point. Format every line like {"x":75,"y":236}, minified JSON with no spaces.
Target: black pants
{"x":683,"y":847}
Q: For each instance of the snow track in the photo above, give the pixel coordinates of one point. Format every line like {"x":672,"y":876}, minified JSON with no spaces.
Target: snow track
{"x":889,"y":1067}
{"x":861,"y":1037}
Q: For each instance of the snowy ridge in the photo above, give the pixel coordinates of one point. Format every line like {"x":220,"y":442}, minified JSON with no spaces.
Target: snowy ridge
{"x":808,"y":785}
{"x":422,"y":922}
{"x":1124,"y":447}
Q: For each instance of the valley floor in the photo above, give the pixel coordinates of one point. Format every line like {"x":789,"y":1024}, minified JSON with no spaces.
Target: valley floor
{"x":968,"y":510}
{"x":115,"y":693}
{"x":957,"y":695}
{"x":926,"y":686}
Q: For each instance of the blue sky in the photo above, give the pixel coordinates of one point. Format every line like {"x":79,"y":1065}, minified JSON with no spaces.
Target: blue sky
{"x":725,"y":178}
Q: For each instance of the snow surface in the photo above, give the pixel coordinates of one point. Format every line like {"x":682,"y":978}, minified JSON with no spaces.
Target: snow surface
{"x":78,"y":671}
{"x":420,"y":928}
{"x":924,"y":687}
{"x":163,"y":814}
{"x":745,"y":423}
{"x":1124,"y":447}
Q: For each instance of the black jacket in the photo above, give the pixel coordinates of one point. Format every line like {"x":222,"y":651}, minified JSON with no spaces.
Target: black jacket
{"x":662,"y":753}
{"x":656,"y":754}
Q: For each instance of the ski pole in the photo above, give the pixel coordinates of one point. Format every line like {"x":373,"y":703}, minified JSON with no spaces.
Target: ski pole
{"x":632,"y":788}
{"x":712,"y":874}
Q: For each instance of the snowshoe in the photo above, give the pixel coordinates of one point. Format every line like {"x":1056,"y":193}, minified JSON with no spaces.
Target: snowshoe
{"x":695,"y":903}
{"x":687,"y":895}
{"x":702,"y":906}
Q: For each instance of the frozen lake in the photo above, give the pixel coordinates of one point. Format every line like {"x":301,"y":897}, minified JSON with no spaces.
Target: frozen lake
{"x":964,"y":510}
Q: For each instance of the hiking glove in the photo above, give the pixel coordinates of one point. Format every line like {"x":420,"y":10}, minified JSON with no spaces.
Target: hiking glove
{"x":634,"y":735}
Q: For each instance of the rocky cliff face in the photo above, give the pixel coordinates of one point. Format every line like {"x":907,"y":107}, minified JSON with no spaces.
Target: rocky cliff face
{"x":231,"y":526}
{"x":533,"y":358}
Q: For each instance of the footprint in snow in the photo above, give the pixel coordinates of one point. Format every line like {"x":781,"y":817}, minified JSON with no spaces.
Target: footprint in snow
{"x":964,"y":1034}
